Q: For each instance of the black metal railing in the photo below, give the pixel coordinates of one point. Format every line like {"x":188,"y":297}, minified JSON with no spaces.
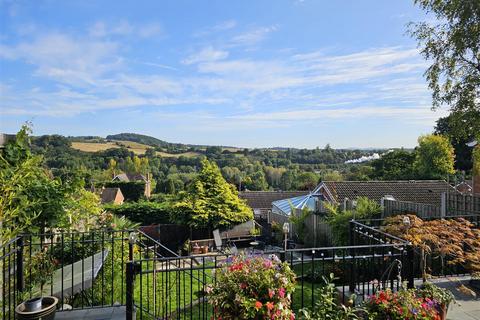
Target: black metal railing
{"x":82,"y":269}
{"x":175,"y":287}
{"x":11,"y":281}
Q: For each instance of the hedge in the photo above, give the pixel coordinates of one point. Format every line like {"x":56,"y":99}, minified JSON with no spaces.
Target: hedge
{"x":143,"y":212}
{"x":132,"y":190}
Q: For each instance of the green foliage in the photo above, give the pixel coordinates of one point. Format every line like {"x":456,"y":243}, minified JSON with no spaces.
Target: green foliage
{"x":395,"y":165}
{"x":327,"y":306}
{"x":476,"y":160}
{"x":143,"y":212}
{"x":461,"y":127}
{"x":131,"y":190}
{"x":432,"y":291}
{"x":210,"y":201}
{"x":452,"y":45}
{"x":434,"y":157}
{"x":31,"y":200}
{"x":339,"y":220}
{"x":298,"y":218}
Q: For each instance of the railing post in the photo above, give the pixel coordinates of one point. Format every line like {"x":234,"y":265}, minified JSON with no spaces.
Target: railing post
{"x":19,"y":267}
{"x":351,"y":237}
{"x":410,"y":266}
{"x":132,"y":269}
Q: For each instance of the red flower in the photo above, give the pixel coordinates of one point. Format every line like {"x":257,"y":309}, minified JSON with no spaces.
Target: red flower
{"x":269,"y":305}
{"x":258,"y":305}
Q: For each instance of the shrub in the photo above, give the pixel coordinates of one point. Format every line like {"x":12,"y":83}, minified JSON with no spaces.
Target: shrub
{"x":253,"y":288}
{"x":326,"y":306}
{"x":144,"y":212}
{"x":339,"y":220}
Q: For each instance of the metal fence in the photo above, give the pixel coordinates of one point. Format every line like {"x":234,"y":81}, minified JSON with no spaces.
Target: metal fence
{"x":11,"y":280}
{"x":82,"y":269}
{"x":175,"y":287}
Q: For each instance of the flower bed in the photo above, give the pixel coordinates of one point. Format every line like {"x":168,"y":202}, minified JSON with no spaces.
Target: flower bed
{"x":253,"y":288}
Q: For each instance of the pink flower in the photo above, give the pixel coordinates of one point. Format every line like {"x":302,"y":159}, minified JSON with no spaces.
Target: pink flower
{"x":271,"y":293}
{"x":292,"y":316}
{"x":281,"y":293}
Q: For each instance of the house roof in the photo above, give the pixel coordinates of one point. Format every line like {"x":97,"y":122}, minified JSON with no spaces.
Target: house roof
{"x":130,"y":177}
{"x":264,"y":199}
{"x":109,"y":194}
{"x":421,"y":191}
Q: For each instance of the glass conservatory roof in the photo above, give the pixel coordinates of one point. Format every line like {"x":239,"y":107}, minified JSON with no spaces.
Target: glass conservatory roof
{"x":285,"y":205}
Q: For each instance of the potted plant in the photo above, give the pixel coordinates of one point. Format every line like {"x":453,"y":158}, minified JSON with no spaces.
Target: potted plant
{"x":406,"y":304}
{"x":441,"y":296}
{"x":196,"y":248}
{"x":253,"y":287}
{"x":39,"y":307}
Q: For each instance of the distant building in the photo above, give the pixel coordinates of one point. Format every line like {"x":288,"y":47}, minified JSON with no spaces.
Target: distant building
{"x":132,"y":177}
{"x":112,"y":195}
{"x":4,"y":138}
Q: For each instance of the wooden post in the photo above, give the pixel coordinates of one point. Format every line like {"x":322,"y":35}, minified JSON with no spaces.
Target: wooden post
{"x":443,"y":208}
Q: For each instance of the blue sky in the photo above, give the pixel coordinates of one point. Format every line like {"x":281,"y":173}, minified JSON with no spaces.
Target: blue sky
{"x":243,"y":73}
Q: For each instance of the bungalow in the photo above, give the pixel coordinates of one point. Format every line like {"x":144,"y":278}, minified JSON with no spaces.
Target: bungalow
{"x":338,"y":192}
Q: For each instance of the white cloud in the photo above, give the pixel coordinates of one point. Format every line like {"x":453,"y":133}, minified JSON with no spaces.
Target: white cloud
{"x":206,"y":54}
{"x":101,"y":29}
{"x":222,"y":26}
{"x":253,"y":36}
{"x":66,"y":59}
{"x":150,"y":30}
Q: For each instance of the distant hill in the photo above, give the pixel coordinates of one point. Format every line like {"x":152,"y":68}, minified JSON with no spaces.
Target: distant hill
{"x":139,"y":138}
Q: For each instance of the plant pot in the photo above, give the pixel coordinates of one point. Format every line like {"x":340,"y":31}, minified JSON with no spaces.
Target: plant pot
{"x":205,"y":249}
{"x":46,"y":311}
{"x":443,"y":311}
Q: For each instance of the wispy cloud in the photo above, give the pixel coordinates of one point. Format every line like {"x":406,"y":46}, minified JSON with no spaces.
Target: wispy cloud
{"x":221,"y":26}
{"x":206,"y":54}
{"x":90,"y":73}
{"x":253,"y":36}
{"x":101,"y":29}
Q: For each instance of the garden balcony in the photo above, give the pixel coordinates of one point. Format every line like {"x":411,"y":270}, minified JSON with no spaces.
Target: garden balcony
{"x":125,"y":272}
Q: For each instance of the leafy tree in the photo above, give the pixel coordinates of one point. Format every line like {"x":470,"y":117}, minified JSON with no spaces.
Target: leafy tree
{"x":395,"y":165}
{"x":461,"y":128}
{"x":31,"y":200}
{"x":256,"y":181}
{"x":434,"y":157}
{"x":332,"y":176}
{"x":307,"y":181}
{"x":210,"y":202}
{"x":453,"y":45}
